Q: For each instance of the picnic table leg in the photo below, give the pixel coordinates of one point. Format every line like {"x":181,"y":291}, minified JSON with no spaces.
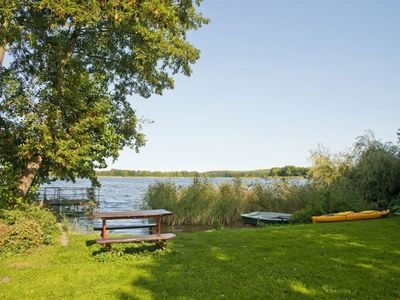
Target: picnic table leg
{"x":104,"y":230}
{"x":158,"y":225}
{"x":161,"y":244}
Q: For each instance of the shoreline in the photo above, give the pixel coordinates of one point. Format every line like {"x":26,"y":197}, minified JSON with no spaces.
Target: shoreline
{"x":249,"y":177}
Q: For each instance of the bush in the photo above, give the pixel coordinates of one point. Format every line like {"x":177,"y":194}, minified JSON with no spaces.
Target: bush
{"x":5,"y":233}
{"x":45,"y":218}
{"x":365,"y":178}
{"x":377,"y":174}
{"x":26,"y":228}
{"x":304,"y":215}
{"x":395,"y":205}
{"x":25,"y":235}
{"x":344,"y":196}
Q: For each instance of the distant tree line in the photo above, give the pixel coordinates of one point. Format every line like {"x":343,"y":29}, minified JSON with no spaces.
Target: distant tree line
{"x":286,"y":171}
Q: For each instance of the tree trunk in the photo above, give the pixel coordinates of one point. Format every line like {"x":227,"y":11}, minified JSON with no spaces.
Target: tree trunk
{"x":2,"y":51}
{"x":25,"y":181}
{"x":2,"y":47}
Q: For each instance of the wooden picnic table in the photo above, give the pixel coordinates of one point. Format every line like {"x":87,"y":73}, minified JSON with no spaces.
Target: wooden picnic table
{"x":136,"y":214}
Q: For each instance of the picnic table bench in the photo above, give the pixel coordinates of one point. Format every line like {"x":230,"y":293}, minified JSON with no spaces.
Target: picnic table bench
{"x":159,"y":238}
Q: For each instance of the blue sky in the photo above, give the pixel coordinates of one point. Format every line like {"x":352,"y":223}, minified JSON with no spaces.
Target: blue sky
{"x":275,"y":79}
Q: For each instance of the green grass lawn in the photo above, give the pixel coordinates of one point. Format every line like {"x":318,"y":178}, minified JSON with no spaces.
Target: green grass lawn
{"x":352,"y":260}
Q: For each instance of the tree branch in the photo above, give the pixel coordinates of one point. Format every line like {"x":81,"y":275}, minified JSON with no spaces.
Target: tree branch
{"x":64,"y":60}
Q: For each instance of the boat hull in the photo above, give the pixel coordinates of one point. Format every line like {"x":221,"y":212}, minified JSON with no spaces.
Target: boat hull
{"x":350,"y":216}
{"x":256,"y":218}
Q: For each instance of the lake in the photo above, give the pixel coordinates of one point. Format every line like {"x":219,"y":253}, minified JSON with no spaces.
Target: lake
{"x":126,"y":193}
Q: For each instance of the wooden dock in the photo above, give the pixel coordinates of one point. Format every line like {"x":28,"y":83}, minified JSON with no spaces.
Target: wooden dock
{"x":70,"y":200}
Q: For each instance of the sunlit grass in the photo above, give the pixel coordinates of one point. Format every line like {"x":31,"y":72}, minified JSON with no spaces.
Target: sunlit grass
{"x":352,"y":260}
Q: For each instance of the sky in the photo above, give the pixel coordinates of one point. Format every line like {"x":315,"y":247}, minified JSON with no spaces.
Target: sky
{"x":275,"y":80}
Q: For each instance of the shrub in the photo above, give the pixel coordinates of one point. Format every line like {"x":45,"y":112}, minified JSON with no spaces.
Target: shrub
{"x":25,"y":235}
{"x":364,"y":178}
{"x":344,"y":196}
{"x":377,"y":174}
{"x":304,"y":215}
{"x":26,"y":228}
{"x":43,"y":217}
{"x":395,"y":205}
{"x":5,"y":233}
{"x":21,"y":236}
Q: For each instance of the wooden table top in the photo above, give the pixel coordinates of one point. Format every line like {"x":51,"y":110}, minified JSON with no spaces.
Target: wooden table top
{"x":153,"y":213}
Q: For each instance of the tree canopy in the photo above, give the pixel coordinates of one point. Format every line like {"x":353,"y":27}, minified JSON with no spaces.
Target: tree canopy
{"x":63,"y":97}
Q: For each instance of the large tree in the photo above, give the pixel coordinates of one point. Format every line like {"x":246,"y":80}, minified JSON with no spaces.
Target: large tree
{"x":63,"y":97}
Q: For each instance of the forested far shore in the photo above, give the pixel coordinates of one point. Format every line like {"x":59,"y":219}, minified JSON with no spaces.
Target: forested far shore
{"x":287,"y":171}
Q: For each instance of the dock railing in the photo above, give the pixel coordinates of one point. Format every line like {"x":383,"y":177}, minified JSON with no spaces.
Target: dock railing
{"x":67,"y":200}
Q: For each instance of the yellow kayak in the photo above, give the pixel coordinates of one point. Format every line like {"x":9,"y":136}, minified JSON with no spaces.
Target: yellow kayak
{"x":350,"y":216}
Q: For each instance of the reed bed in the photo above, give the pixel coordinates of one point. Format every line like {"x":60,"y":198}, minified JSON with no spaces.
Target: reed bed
{"x":204,"y":203}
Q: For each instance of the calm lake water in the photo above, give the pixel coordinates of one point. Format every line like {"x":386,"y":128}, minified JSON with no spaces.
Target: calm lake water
{"x":126,"y":193}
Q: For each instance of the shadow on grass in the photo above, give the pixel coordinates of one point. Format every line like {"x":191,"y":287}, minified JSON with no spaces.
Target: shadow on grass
{"x":90,"y":243}
{"x":298,"y":262}
{"x":123,"y":249}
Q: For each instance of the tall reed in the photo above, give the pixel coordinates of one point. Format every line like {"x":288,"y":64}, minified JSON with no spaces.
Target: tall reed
{"x":204,"y":203}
